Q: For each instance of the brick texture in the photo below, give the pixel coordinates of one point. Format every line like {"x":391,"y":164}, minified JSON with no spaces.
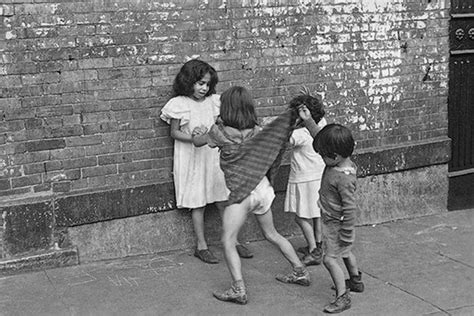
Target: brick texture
{"x":82,"y":82}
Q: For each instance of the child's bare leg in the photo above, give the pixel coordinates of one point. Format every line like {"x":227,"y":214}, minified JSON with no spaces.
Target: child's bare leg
{"x":318,"y":234}
{"x":198,"y":225}
{"x":299,"y":275}
{"x":343,"y":298}
{"x":266,"y":224}
{"x":233,"y":217}
{"x":337,"y":275}
{"x":354,"y":283}
{"x":243,"y":251}
{"x":351,"y":264}
{"x":306,"y":226}
{"x":220,"y":207}
{"x":202,"y":252}
{"x":313,"y":256}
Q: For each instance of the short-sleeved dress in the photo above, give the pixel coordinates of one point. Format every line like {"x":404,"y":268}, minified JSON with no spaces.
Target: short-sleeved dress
{"x":198,"y":179}
{"x":306,"y":169}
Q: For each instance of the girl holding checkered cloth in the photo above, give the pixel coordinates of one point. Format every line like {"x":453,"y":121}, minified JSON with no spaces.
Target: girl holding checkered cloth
{"x":249,"y":157}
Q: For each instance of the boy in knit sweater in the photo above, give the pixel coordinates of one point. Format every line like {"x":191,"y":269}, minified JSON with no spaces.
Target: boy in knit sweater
{"x":338,"y":211}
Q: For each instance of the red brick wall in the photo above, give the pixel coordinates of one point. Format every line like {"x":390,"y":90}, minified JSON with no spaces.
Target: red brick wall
{"x":82,"y":82}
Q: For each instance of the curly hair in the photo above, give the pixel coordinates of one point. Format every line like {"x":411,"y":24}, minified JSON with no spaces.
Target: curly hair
{"x":190,"y":73}
{"x":314,"y":105}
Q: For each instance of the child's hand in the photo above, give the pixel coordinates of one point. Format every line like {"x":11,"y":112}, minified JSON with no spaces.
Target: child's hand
{"x":200,"y":130}
{"x":303,"y":112}
{"x":199,"y":136}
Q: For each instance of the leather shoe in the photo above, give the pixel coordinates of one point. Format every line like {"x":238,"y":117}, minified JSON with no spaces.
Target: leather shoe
{"x":206,"y":256}
{"x":244,"y":252}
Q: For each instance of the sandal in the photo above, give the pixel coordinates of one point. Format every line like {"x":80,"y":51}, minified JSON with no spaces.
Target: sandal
{"x":206,"y":256}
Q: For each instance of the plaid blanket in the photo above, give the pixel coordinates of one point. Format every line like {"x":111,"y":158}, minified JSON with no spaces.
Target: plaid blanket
{"x":244,"y":167}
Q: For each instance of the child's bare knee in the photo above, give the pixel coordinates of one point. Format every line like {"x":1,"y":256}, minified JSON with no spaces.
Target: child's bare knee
{"x":297,"y":220}
{"x":327,"y":261}
{"x":228,"y":239}
{"x":272,"y":236}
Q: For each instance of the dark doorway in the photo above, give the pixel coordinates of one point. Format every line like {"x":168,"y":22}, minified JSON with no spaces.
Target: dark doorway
{"x":461,"y":105}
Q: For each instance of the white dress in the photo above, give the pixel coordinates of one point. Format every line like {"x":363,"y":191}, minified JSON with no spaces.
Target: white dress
{"x":306,"y":169}
{"x":198,"y":178}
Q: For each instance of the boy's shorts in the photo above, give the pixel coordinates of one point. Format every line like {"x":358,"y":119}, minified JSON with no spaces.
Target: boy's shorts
{"x":261,"y":197}
{"x":331,"y":246}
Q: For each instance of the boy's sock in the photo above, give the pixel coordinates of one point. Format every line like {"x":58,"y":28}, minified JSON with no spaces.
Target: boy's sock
{"x":236,"y":294}
{"x":299,"y":270}
{"x":239,"y":284}
{"x":319,"y":244}
{"x":299,"y":275}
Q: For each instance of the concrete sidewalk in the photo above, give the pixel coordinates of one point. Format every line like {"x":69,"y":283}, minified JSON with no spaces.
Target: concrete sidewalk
{"x":423,"y":266}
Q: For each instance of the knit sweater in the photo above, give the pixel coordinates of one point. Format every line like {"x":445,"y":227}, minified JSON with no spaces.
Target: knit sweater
{"x":245,"y":163}
{"x":337,"y":199}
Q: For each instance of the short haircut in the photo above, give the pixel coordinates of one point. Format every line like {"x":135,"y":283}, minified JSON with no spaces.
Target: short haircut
{"x":237,"y":108}
{"x":314,"y":105}
{"x":190,"y":73}
{"x":334,"y":139}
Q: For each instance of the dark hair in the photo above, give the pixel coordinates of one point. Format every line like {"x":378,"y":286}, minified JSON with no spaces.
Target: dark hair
{"x":334,"y":139}
{"x":190,"y":73}
{"x":237,"y":108}
{"x":314,"y":105}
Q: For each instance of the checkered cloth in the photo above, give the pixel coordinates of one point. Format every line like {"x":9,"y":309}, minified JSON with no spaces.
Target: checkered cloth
{"x":257,"y":157}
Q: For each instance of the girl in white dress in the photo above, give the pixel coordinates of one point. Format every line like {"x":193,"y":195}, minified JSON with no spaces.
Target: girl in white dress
{"x":198,"y":177}
{"x":306,"y":169}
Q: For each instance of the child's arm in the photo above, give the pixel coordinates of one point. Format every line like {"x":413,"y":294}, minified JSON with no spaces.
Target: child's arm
{"x":308,"y":121}
{"x":177,"y":134}
{"x":349,"y":208}
{"x":200,"y":137}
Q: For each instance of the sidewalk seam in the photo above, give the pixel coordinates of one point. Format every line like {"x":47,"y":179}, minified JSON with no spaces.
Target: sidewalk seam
{"x":455,"y":260}
{"x":409,"y":293}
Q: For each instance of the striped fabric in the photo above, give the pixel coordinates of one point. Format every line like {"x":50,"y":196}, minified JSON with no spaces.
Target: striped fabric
{"x":257,"y":157}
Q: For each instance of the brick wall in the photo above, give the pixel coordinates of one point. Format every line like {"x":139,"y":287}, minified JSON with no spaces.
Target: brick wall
{"x":82,"y":82}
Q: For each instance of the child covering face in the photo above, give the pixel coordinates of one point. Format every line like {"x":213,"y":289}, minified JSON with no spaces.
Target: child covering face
{"x":306,"y":168}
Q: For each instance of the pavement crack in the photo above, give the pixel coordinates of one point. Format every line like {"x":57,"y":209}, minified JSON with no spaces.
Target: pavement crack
{"x":56,"y":292}
{"x":455,"y":260}
{"x":407,"y":292}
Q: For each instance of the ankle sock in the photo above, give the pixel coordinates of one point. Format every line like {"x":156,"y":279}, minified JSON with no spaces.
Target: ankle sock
{"x":356,"y":278}
{"x":238,"y":284}
{"x":299,"y":270}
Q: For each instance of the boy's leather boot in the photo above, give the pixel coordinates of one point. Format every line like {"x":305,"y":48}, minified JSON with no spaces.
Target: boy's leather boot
{"x":355,"y":283}
{"x":341,"y":303}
